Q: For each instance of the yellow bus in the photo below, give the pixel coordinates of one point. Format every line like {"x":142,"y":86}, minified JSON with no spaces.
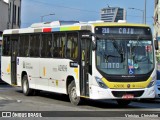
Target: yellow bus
{"x":95,"y":60}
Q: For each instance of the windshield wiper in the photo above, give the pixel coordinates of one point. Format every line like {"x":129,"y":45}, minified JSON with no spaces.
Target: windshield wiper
{"x":119,"y":49}
{"x":116,"y":46}
{"x":112,"y":56}
{"x":133,"y":53}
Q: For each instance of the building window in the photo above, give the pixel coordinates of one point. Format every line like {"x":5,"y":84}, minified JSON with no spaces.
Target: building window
{"x":157,"y":2}
{"x":19,"y":23}
{"x":12,"y":13}
{"x":15,"y":13}
{"x":9,"y":12}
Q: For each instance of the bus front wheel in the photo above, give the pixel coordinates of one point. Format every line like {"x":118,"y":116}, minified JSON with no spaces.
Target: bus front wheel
{"x":25,"y":86}
{"x":74,"y":99}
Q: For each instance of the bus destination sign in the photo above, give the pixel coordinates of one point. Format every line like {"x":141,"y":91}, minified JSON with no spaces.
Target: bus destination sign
{"x":122,"y":30}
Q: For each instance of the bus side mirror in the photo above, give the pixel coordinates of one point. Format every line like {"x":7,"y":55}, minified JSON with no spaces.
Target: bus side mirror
{"x":156,"y":45}
{"x":94,"y":45}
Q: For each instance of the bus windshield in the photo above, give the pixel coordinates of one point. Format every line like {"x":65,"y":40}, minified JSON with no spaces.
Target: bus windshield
{"x":125,"y":56}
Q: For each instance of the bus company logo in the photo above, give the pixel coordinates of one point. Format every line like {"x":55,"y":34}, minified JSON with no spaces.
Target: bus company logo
{"x":128,"y":86}
{"x":133,"y":86}
{"x":21,"y":114}
{"x":6,"y":114}
{"x":62,"y":68}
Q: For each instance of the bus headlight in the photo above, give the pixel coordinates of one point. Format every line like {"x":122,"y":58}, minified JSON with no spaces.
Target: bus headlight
{"x":101,"y":83}
{"x":152,"y":83}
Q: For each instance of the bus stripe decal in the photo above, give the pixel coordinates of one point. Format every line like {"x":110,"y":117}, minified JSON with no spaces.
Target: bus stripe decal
{"x":44,"y":71}
{"x":8,"y":68}
{"x":37,"y":30}
{"x":47,"y":29}
{"x":55,"y":29}
{"x":15,"y":31}
{"x":123,"y":85}
{"x":76,"y":72}
{"x":70,"y":28}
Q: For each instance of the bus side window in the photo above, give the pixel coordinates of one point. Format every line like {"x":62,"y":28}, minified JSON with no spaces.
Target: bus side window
{"x":56,"y":46}
{"x":6,"y":46}
{"x":31,"y":48}
{"x":24,"y":46}
{"x":72,"y":45}
{"x":59,"y":45}
{"x":75,"y":48}
{"x":46,"y":45}
{"x":62,"y":45}
{"x":34,"y":45}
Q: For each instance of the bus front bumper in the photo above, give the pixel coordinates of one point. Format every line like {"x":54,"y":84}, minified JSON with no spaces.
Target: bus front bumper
{"x":100,"y":93}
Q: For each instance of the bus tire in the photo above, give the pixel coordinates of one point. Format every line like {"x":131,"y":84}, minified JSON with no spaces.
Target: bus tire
{"x":25,"y":86}
{"x":74,"y":99}
{"x":123,"y":103}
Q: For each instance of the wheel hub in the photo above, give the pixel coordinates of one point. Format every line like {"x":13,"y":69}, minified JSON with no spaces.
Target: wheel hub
{"x":74,"y":95}
{"x":25,"y":86}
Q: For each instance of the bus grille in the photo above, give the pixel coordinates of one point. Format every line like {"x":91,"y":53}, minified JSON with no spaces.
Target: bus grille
{"x":121,"y":93}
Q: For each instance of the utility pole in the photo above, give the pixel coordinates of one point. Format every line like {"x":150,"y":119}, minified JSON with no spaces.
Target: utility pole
{"x":145,"y":7}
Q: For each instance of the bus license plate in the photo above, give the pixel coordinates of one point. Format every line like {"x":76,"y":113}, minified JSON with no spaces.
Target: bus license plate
{"x":128,"y":96}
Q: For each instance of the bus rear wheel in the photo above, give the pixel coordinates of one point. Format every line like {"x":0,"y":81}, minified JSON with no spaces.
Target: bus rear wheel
{"x":74,"y":99}
{"x":25,"y":86}
{"x":123,"y":103}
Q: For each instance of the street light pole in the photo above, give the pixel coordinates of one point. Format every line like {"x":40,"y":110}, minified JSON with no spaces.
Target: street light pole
{"x":145,"y":7}
{"x":143,"y":18}
{"x":45,"y":16}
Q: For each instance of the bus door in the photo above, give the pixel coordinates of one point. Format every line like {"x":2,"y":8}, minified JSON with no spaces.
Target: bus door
{"x":85,"y":65}
{"x":14,"y":50}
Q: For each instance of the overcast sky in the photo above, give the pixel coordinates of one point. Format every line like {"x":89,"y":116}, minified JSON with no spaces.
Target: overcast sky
{"x":82,"y":10}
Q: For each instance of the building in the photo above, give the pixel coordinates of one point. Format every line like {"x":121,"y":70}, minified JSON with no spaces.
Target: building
{"x":156,"y":24}
{"x":157,"y":19}
{"x":113,"y":14}
{"x":3,"y":16}
{"x":156,"y":34}
{"x":14,"y":14}
{"x":10,"y":15}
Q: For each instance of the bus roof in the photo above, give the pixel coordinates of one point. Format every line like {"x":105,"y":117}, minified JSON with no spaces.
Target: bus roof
{"x":119,"y":24}
{"x":67,"y":26}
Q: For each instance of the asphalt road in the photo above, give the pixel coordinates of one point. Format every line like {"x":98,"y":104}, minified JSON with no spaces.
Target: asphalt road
{"x":57,"y":105}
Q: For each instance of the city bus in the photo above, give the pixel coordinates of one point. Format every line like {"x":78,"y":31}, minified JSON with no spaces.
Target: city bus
{"x":93,"y":60}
